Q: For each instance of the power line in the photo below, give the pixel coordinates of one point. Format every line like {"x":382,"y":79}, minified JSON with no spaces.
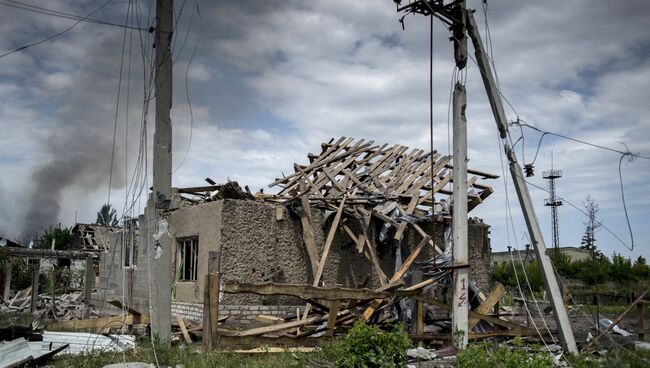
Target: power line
{"x":117,"y":107}
{"x":584,"y":213}
{"x":60,"y":14}
{"x":56,"y":35}
{"x":187,"y":89}
{"x":522,"y":123}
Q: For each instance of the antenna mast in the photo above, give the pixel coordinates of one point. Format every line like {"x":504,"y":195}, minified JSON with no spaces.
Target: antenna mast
{"x":553,"y":201}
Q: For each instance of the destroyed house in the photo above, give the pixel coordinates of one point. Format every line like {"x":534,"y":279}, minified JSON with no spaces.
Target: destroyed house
{"x":348,"y":217}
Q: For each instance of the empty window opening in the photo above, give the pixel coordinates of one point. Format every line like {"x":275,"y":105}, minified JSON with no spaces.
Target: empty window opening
{"x":188,"y":250}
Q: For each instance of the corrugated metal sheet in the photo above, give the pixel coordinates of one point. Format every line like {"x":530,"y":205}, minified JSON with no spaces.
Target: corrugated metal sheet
{"x":18,"y":351}
{"x":86,"y":342}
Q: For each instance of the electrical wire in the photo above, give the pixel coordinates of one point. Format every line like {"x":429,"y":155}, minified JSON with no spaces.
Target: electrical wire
{"x":60,"y":14}
{"x":523,"y":299}
{"x":521,"y":122}
{"x":433,"y":198}
{"x":117,"y":110}
{"x":187,"y":90}
{"x":627,"y":218}
{"x":600,"y":223}
{"x":56,"y":35}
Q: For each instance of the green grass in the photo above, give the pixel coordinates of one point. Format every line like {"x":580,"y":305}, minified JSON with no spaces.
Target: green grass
{"x":187,"y":357}
{"x":615,"y":310}
{"x":618,"y":358}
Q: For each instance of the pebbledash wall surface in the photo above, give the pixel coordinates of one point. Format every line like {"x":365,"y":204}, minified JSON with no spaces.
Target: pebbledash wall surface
{"x":260,"y":242}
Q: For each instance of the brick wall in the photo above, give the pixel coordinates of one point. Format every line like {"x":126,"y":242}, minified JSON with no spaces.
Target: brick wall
{"x":239,"y":315}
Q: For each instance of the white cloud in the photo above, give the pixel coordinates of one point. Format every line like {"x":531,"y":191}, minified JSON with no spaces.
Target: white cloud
{"x":272,"y":80}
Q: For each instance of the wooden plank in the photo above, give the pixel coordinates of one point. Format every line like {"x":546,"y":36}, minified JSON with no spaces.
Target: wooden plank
{"x":523,"y":332}
{"x":419,"y":319}
{"x":371,"y":254}
{"x":471,"y":313}
{"x":307,"y":230}
{"x":328,"y":242}
{"x":213,"y":287}
{"x":326,"y":250}
{"x":423,"y":233}
{"x":411,"y":258}
{"x":331,"y":320}
{"x":35,"y":276}
{"x":269,"y":319}
{"x":94,"y":323}
{"x":207,"y":345}
{"x":321,"y":179}
{"x":409,"y":210}
{"x":497,"y":293}
{"x":397,"y":276}
{"x":248,"y":342}
{"x":274,"y":328}
{"x":42,"y":253}
{"x":186,"y":335}
{"x":616,"y":321}
{"x":335,"y":147}
{"x":640,"y":309}
{"x":274,"y":349}
{"x":304,"y":292}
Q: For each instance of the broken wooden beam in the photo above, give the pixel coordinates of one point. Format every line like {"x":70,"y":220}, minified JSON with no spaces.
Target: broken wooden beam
{"x":307,"y":292}
{"x":487,"y":305}
{"x":98,"y":323}
{"x":616,"y":321}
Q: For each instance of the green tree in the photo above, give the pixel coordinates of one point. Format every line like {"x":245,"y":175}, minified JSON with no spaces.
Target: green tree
{"x":62,"y":238}
{"x":589,"y":239}
{"x":107,"y":216}
{"x":620,"y":269}
{"x":562,"y":263}
{"x":641,"y":270}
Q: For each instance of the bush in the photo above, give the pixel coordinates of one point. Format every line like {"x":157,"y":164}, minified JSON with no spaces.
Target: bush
{"x":369,"y":346}
{"x":484,"y":356}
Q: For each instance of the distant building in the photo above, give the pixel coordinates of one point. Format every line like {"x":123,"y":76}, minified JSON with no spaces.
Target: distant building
{"x":574,"y":253}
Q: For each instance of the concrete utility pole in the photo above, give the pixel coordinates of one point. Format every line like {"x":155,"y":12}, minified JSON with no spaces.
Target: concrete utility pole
{"x":160,"y":249}
{"x":460,"y":308}
{"x":526,"y":203}
{"x":460,"y":20}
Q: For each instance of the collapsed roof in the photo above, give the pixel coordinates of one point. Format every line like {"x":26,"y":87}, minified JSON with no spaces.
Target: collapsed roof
{"x":365,"y":173}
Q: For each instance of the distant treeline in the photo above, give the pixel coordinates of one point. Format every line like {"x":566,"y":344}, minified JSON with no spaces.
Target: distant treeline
{"x":596,"y":270}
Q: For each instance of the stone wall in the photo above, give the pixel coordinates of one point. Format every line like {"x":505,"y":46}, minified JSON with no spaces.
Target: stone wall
{"x":261,"y":242}
{"x":116,"y":282}
{"x":244,"y":316}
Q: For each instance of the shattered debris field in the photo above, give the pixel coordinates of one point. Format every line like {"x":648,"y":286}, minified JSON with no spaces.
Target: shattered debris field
{"x":354,"y":248}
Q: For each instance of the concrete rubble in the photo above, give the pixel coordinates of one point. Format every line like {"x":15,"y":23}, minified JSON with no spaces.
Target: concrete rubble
{"x":65,"y":307}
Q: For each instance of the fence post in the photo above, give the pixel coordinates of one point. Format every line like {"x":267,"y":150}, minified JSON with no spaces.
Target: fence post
{"x":207,"y":333}
{"x":214,"y":281}
{"x":640,"y":308}
{"x":35,"y":275}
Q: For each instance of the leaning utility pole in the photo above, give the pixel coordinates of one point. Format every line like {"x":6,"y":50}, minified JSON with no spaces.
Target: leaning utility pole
{"x":460,"y":21}
{"x":537,"y":241}
{"x":160,"y":253}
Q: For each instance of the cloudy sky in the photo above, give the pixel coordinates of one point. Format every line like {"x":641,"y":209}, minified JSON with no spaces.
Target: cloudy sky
{"x":270,"y":80}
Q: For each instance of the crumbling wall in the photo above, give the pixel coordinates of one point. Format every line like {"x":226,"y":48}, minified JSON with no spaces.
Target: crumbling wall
{"x":263,"y":243}
{"x":129,"y":285}
{"x":480,"y":253}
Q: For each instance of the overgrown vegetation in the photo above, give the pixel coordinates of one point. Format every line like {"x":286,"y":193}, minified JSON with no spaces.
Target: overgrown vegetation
{"x":619,"y":358}
{"x":364,"y":346}
{"x":506,"y":356}
{"x":597,"y":270}
{"x":187,"y":357}
{"x":62,"y":237}
{"x":369,"y":346}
